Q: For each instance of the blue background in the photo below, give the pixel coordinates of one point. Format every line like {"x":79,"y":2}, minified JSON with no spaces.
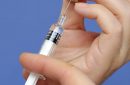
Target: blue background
{"x":23,"y":25}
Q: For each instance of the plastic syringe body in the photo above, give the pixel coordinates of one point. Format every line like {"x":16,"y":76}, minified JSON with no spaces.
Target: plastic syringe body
{"x":48,"y":47}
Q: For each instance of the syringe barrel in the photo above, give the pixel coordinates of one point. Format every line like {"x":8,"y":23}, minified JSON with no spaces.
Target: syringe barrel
{"x":47,"y":49}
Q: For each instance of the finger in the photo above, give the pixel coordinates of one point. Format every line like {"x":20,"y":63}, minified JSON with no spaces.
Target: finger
{"x":110,"y":40}
{"x":104,"y":17}
{"x":39,"y":64}
{"x":107,"y":45}
{"x":121,"y":9}
{"x":74,"y":20}
{"x":118,"y":7}
{"x":53,"y":69}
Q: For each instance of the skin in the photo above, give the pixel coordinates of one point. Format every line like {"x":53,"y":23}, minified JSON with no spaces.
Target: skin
{"x":91,"y":56}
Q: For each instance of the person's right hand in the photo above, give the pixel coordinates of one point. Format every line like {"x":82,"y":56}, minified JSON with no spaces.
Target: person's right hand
{"x":96,"y":54}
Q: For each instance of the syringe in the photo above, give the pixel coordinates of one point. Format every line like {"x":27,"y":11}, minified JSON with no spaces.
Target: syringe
{"x":48,"y":47}
{"x":49,"y":44}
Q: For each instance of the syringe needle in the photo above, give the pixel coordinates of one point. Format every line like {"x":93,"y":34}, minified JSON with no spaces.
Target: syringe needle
{"x":66,"y":9}
{"x":61,"y":20}
{"x":64,"y":15}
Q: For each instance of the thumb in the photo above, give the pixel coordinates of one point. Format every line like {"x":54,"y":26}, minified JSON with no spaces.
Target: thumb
{"x":54,"y":69}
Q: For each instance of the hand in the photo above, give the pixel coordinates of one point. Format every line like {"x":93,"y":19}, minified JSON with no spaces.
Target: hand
{"x":57,"y":72}
{"x":97,"y":54}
